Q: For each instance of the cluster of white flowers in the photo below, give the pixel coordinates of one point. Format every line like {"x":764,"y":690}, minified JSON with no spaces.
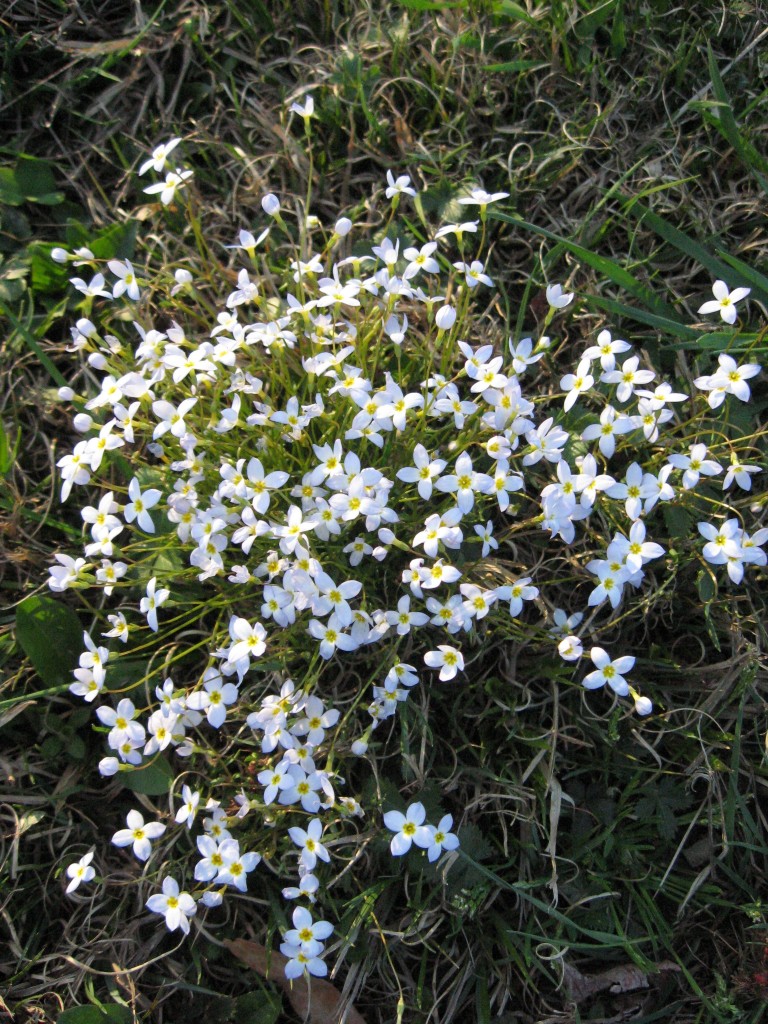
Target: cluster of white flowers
{"x":409,"y":828}
{"x":289,"y":438}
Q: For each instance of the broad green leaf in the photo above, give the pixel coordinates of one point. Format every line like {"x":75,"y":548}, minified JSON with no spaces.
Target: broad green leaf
{"x":258,"y":1008}
{"x":154,"y":779}
{"x":13,"y":274}
{"x":30,"y":181}
{"x":51,"y":636}
{"x":47,"y":276}
{"x":10,"y":193}
{"x":15,"y":228}
{"x":11,"y":288}
{"x":116,"y":242}
{"x":125,"y":673}
{"x":706,"y":587}
{"x":36,"y":181}
{"x":677,"y":519}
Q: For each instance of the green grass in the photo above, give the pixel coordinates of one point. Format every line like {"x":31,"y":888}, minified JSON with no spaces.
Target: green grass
{"x":633,"y":158}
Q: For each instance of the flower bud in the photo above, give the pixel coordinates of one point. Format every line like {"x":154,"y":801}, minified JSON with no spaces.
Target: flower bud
{"x":270,"y":204}
{"x":82,"y":422}
{"x":343,"y":227}
{"x":211,"y":899}
{"x":109,"y":766}
{"x":66,"y":394}
{"x":445,"y":318}
{"x":359,"y":747}
{"x":59,"y":255}
{"x":97,"y":360}
{"x":85,"y":327}
{"x":643,"y":705}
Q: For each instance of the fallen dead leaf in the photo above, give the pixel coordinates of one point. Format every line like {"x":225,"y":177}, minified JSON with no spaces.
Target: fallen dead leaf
{"x":616,"y":980}
{"x":316,"y":1002}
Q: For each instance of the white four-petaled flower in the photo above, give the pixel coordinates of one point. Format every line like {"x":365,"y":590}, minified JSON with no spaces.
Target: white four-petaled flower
{"x":724,"y":301}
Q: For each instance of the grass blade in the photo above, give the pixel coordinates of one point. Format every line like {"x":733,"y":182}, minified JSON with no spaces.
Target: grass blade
{"x":687,"y":245}
{"x":723,"y":120}
{"x":615,"y":273}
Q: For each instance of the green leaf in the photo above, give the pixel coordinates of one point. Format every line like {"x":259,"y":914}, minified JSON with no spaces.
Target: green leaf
{"x":517,"y":65}
{"x":257,"y":1008}
{"x":30,"y":181}
{"x":508,"y":9}
{"x":10,"y":193}
{"x":482,"y":1001}
{"x":15,"y":229}
{"x":153,"y":779}
{"x":51,"y":636}
{"x":586,"y":26}
{"x":116,"y":242}
{"x":47,"y":276}
{"x":678,"y":520}
{"x":36,"y":181}
{"x":706,"y":587}
{"x":109,"y":1013}
{"x":126,"y":673}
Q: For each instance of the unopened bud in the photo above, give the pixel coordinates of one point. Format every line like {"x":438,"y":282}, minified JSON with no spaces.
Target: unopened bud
{"x":270,"y":204}
{"x":445,"y":318}
{"x":82,"y":422}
